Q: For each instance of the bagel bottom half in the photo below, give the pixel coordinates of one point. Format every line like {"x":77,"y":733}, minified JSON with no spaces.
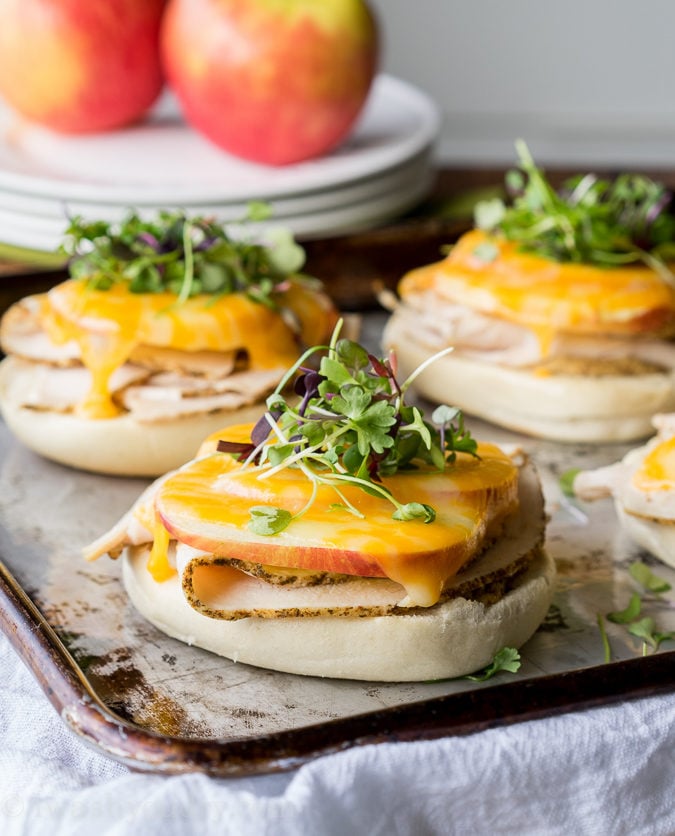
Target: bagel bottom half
{"x":560,"y":407}
{"x":118,"y":446}
{"x":450,"y":639}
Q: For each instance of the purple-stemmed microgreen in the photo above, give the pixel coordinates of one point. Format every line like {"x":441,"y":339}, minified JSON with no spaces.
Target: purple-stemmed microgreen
{"x":589,"y":220}
{"x":187,"y":256}
{"x":351,"y":428}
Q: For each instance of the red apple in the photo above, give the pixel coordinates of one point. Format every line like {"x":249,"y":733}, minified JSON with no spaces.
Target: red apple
{"x":80,"y":66}
{"x":274,"y":81}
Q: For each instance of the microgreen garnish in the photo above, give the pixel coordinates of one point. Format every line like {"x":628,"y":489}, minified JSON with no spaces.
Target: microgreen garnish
{"x":183,"y":255}
{"x":566,"y":481}
{"x":606,"y":647}
{"x":486,"y":252}
{"x":642,"y":628}
{"x":645,"y":629}
{"x":641,"y":573}
{"x":631,"y":612}
{"x":350,"y":427}
{"x":415,"y":511}
{"x":591,"y":220}
{"x":266,"y":520}
{"x":454,"y":437}
{"x":506,"y":659}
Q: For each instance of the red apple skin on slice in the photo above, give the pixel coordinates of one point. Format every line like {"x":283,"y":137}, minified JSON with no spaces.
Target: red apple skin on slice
{"x":207,"y":505}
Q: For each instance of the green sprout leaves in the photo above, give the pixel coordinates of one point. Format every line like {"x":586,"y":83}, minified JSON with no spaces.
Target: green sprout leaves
{"x":506,"y":659}
{"x":369,"y":420}
{"x":185,"y":256}
{"x":650,"y":582}
{"x":350,"y":427}
{"x":644,"y":627}
{"x":415,"y":511}
{"x":454,"y":437}
{"x":566,"y":481}
{"x":267,"y":520}
{"x":590,"y":220}
{"x":631,"y":612}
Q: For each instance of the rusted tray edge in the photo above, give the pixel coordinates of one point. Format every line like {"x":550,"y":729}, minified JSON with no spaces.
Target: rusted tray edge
{"x":86,"y":715}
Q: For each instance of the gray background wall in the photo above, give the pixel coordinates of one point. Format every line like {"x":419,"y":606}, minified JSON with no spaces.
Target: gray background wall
{"x":581,"y":81}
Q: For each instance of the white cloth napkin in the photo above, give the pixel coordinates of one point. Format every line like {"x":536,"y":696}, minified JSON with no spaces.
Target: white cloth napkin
{"x":606,"y":771}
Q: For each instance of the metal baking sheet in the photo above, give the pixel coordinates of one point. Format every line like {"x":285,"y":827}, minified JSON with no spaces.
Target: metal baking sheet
{"x":156,"y":703}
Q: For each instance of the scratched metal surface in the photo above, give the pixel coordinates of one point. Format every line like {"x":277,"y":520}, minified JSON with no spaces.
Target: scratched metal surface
{"x":48,"y":512}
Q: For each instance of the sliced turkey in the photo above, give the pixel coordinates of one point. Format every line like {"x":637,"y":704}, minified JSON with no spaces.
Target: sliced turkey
{"x":62,"y":388}
{"x":438,"y":324}
{"x":22,"y":334}
{"x":164,"y":400}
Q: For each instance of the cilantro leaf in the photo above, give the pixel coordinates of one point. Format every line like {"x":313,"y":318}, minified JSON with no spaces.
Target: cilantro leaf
{"x":267,"y":520}
{"x":352,"y":402}
{"x":370,"y":420}
{"x":280,"y":452}
{"x":506,"y":659}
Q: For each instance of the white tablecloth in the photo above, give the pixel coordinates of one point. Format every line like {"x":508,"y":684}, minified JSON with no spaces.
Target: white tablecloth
{"x":606,"y":771}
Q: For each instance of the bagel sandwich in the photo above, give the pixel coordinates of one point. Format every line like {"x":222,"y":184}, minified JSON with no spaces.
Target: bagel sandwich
{"x":166,"y":330}
{"x":346,"y":536}
{"x":642,"y":486}
{"x":560,"y":308}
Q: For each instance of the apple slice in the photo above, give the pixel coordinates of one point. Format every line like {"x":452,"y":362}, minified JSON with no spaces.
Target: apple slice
{"x":219,"y":589}
{"x":206,"y":505}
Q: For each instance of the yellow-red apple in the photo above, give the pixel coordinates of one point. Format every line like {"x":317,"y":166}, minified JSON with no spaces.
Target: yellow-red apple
{"x":79,"y":66}
{"x":273,"y":81}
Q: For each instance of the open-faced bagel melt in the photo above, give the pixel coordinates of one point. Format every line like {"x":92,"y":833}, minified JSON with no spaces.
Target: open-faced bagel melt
{"x":106,"y":376}
{"x":507,"y":592}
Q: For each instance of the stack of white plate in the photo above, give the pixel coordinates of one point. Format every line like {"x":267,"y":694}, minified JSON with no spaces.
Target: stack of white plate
{"x":383,"y":169}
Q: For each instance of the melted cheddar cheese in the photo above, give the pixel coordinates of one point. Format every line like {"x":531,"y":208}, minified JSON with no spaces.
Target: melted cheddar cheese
{"x":207,"y":505}
{"x":108,"y":325}
{"x":547,"y":296}
{"x":657,"y":470}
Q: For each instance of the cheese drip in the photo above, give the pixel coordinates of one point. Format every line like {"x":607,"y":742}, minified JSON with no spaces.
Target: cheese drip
{"x":547,"y":296}
{"x":108,"y":325}
{"x":207,"y":505}
{"x":158,"y":561}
